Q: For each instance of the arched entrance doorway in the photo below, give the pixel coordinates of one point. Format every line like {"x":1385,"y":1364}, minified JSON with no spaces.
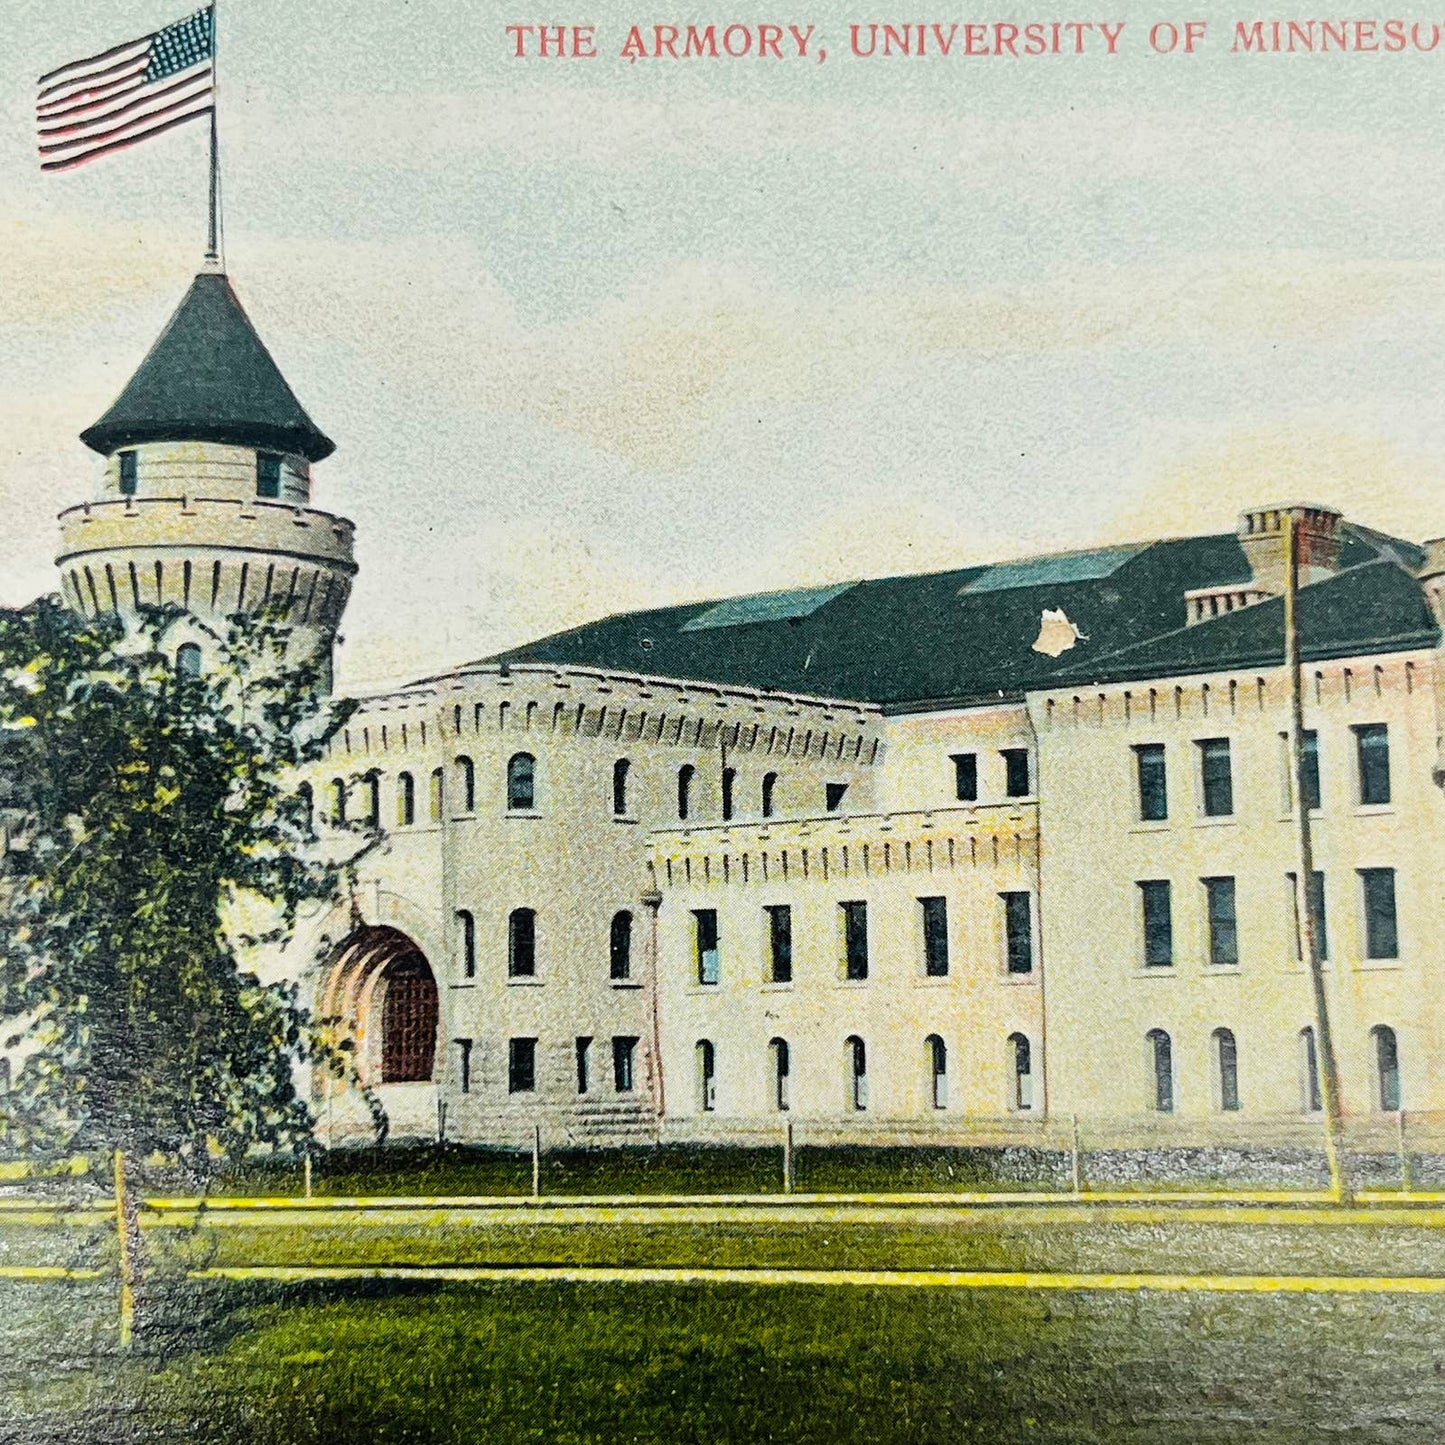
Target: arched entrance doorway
{"x":408,"y":1021}
{"x":382,"y":994}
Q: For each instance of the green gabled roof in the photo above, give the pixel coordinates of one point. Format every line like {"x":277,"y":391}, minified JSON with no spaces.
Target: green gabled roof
{"x":1377,"y":607}
{"x":209,"y":378}
{"x":961,"y":637}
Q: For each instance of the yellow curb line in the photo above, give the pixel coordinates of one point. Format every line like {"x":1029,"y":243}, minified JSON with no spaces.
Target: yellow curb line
{"x":46,"y":1272}
{"x":915,"y":1279}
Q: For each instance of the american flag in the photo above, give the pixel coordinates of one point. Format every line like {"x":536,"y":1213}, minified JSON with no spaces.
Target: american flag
{"x":127,"y":94}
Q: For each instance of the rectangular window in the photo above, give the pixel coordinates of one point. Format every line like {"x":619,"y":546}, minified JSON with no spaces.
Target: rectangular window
{"x":268,"y":475}
{"x":965,"y":777}
{"x":464,"y":1064}
{"x":935,"y":936}
{"x":1158,"y":924}
{"x":780,"y":943}
{"x":1372,"y":748}
{"x":855,"y":940}
{"x":1317,"y":902}
{"x":1016,"y":772}
{"x":705,"y":933}
{"x":521,"y":1066}
{"x":1153,"y":783}
{"x":127,"y":474}
{"x":1018,"y":922}
{"x":1310,"y":758}
{"x":1382,"y":936}
{"x":584,"y":1061}
{"x":833,"y":795}
{"x":1223,"y":926}
{"x":1216,"y":778}
{"x":623,"y":1050}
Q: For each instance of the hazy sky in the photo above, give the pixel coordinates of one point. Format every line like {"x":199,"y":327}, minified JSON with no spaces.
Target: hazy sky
{"x":592,"y":335}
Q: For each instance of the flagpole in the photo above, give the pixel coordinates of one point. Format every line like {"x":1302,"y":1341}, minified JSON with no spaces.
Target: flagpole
{"x":213,"y":242}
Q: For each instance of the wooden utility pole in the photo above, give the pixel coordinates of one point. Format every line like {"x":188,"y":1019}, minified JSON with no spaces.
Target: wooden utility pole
{"x":122,"y":1230}
{"x":1309,"y":924}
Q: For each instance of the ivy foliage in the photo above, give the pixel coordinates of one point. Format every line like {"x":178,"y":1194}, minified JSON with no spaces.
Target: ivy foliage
{"x":144,"y":811}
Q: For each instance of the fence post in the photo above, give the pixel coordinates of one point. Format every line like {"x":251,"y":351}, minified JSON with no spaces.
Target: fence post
{"x":536,"y":1161}
{"x":788,"y":1156}
{"x":306,"y":1172}
{"x":1076,"y":1172}
{"x":1405,"y":1182}
{"x":122,"y":1229}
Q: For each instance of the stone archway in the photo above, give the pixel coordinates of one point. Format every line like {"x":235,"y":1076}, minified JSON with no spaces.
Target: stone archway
{"x":382,"y":993}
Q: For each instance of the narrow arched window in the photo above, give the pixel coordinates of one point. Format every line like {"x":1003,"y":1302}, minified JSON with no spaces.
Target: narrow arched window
{"x":308,"y":804}
{"x":770,"y":788}
{"x":1021,"y":1073}
{"x":436,"y":799}
{"x":405,"y":800}
{"x":620,"y":950}
{"x":620,"y":770}
{"x":937,"y":1052}
{"x":467,"y":936}
{"x":371,"y":785}
{"x":706,"y":1076}
{"x":522,"y":783}
{"x":1161,"y":1061}
{"x":1226,"y":1071}
{"x":338,"y":802}
{"x":1387,"y":1068}
{"x":467,"y":784}
{"x":729,"y":780}
{"x":522,"y":943}
{"x":1309,"y":1072}
{"x":781,"y":1063}
{"x":188,"y":660}
{"x":685,"y":775}
{"x":855,"y":1058}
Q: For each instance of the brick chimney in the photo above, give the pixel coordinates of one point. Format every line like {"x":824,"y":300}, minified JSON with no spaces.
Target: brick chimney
{"x":1263,"y":533}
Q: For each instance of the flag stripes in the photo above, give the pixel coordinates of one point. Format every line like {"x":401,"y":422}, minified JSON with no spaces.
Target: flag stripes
{"x":127,"y":94}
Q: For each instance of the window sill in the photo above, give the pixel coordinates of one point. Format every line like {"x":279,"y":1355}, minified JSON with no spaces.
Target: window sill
{"x":1019,"y":980}
{"x":1374,"y":810}
{"x":523,"y":813}
{"x":624,"y":983}
{"x":1230,"y":820}
{"x":465,"y":983}
{"x":1156,"y":970}
{"x":1140,"y":826}
{"x":1222,"y":970}
{"x":774,"y":986}
{"x":464,"y":817}
{"x":1380,"y":965}
{"x":524,"y":983}
{"x":627,"y":818}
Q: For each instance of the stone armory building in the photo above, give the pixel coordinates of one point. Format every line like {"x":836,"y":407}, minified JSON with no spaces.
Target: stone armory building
{"x":895,"y":857}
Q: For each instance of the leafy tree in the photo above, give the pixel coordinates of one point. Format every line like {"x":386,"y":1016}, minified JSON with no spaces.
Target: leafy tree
{"x":145,"y":811}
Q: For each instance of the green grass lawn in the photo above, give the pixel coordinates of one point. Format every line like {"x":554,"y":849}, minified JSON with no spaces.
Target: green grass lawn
{"x":565,"y":1363}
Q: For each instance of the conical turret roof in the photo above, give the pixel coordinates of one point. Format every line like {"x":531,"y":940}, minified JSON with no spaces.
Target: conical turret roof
{"x":209,"y":378}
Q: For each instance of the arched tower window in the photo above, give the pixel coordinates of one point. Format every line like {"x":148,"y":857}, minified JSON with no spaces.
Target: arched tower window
{"x":620,"y":770}
{"x":1161,"y":1058}
{"x":1226,"y":1071}
{"x":770,"y":787}
{"x":685,"y":775}
{"x":522,"y":943}
{"x":405,"y":800}
{"x":338,"y":802}
{"x":937,"y":1057}
{"x":467,"y":784}
{"x":1387,"y":1068}
{"x":522,"y":782}
{"x":467,"y":926}
{"x":706,"y":1076}
{"x":308,"y":804}
{"x":1021,"y":1074}
{"x":729,"y":779}
{"x":126,"y":464}
{"x":437,"y":795}
{"x":188,"y":660}
{"x":781,"y":1063}
{"x":620,"y":951}
{"x":855,"y":1058}
{"x":372,"y":786}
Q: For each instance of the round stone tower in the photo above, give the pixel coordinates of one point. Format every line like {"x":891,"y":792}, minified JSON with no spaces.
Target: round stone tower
{"x":205,"y":499}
